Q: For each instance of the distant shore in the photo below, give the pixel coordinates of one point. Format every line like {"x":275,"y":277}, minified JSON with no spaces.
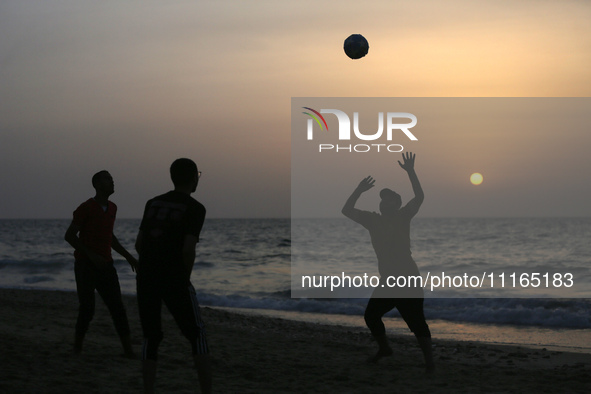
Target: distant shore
{"x":254,"y":354}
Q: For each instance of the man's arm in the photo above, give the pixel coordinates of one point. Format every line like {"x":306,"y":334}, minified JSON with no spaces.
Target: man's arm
{"x":117,"y":247}
{"x":72,"y":238}
{"x":189,"y":245}
{"x":409,"y":166}
{"x":349,"y":209}
{"x":140,"y":236}
{"x":138,"y":242}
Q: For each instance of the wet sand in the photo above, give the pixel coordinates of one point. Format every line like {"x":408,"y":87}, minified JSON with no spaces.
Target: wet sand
{"x":254,"y":354}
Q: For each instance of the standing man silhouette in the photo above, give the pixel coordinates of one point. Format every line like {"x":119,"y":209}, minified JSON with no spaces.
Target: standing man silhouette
{"x":390,"y":237}
{"x":166,"y":243}
{"x":93,"y":221}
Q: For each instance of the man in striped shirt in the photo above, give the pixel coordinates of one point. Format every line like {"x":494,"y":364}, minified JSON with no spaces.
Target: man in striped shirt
{"x":169,"y":232}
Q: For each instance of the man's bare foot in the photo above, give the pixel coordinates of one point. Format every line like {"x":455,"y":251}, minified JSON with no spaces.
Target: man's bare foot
{"x":382,"y":352}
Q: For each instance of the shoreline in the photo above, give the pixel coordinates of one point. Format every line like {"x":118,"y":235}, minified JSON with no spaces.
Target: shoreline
{"x":562,"y":339}
{"x":441,"y":330}
{"x":257,"y":354}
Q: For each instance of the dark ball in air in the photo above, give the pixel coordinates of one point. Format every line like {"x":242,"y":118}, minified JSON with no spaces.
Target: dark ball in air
{"x":356,"y":46}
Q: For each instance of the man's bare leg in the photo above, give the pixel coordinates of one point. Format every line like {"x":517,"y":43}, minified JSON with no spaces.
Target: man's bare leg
{"x":203,"y":366}
{"x":127,"y":348}
{"x":426,"y":347}
{"x":149,"y":375}
{"x":384,"y":349}
{"x":78,"y":340}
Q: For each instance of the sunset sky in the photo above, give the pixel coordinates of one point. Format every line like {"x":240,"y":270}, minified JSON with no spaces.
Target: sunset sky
{"x":532,"y":153}
{"x":129,"y":86}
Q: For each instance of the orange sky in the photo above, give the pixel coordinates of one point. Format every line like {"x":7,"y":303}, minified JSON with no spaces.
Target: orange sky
{"x":130,"y":86}
{"x":531,"y":151}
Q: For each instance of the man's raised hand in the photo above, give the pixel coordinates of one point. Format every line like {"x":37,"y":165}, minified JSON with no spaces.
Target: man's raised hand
{"x":366,"y":184}
{"x":409,"y":161}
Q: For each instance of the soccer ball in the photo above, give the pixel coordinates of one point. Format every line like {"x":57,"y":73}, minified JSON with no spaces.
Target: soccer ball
{"x":356,"y":46}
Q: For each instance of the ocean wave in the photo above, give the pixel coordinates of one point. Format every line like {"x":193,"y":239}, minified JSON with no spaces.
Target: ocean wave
{"x":519,"y":312}
{"x":563,"y":313}
{"x":284,"y":256}
{"x":38,"y":279}
{"x":34,"y":264}
{"x":204,"y":264}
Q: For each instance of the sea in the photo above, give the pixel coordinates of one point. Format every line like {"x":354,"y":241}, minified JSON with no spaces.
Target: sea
{"x":245,"y":265}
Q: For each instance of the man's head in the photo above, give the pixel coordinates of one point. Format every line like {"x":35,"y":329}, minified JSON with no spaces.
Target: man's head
{"x":103,"y":183}
{"x":184,"y":174}
{"x":391,"y":202}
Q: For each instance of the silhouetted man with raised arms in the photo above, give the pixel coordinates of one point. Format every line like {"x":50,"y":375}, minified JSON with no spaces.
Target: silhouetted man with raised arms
{"x":93,"y":221}
{"x":166,"y":243}
{"x":390,"y":237}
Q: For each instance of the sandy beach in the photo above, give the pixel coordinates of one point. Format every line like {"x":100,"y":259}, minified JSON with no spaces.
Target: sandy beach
{"x":257,"y":355}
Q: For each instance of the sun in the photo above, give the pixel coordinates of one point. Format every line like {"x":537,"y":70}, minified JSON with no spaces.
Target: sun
{"x":476,"y":178}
